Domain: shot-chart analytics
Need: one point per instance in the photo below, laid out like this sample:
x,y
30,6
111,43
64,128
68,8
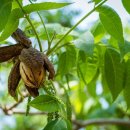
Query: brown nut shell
x,y
14,78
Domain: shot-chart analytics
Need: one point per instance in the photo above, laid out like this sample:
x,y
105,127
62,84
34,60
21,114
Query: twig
x,y
8,110
51,40
48,37
15,105
62,46
89,13
28,107
27,17
81,124
22,112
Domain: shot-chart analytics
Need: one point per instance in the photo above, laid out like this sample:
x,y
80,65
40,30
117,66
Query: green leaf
x,y
46,103
114,71
44,6
85,43
114,43
111,22
5,10
126,4
124,48
127,84
98,31
12,24
127,47
59,31
58,124
17,13
87,69
67,61
96,1
15,4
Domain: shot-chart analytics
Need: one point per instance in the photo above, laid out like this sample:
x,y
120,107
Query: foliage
x,y
92,67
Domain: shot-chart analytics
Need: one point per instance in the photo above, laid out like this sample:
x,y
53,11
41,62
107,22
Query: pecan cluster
x,y
30,65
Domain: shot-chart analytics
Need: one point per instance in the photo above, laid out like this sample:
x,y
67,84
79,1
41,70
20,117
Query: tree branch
x,y
66,34
9,110
22,112
15,105
81,124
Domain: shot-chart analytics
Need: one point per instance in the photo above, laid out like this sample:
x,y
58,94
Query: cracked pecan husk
x,y
30,65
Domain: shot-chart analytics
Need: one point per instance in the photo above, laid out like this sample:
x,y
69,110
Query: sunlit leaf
x,y
98,31
111,22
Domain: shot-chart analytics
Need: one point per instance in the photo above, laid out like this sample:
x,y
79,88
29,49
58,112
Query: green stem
x,y
62,46
48,37
54,34
28,107
89,13
27,17
67,80
68,102
81,74
53,87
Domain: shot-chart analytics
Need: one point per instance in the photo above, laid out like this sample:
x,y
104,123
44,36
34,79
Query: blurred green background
x,y
91,102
